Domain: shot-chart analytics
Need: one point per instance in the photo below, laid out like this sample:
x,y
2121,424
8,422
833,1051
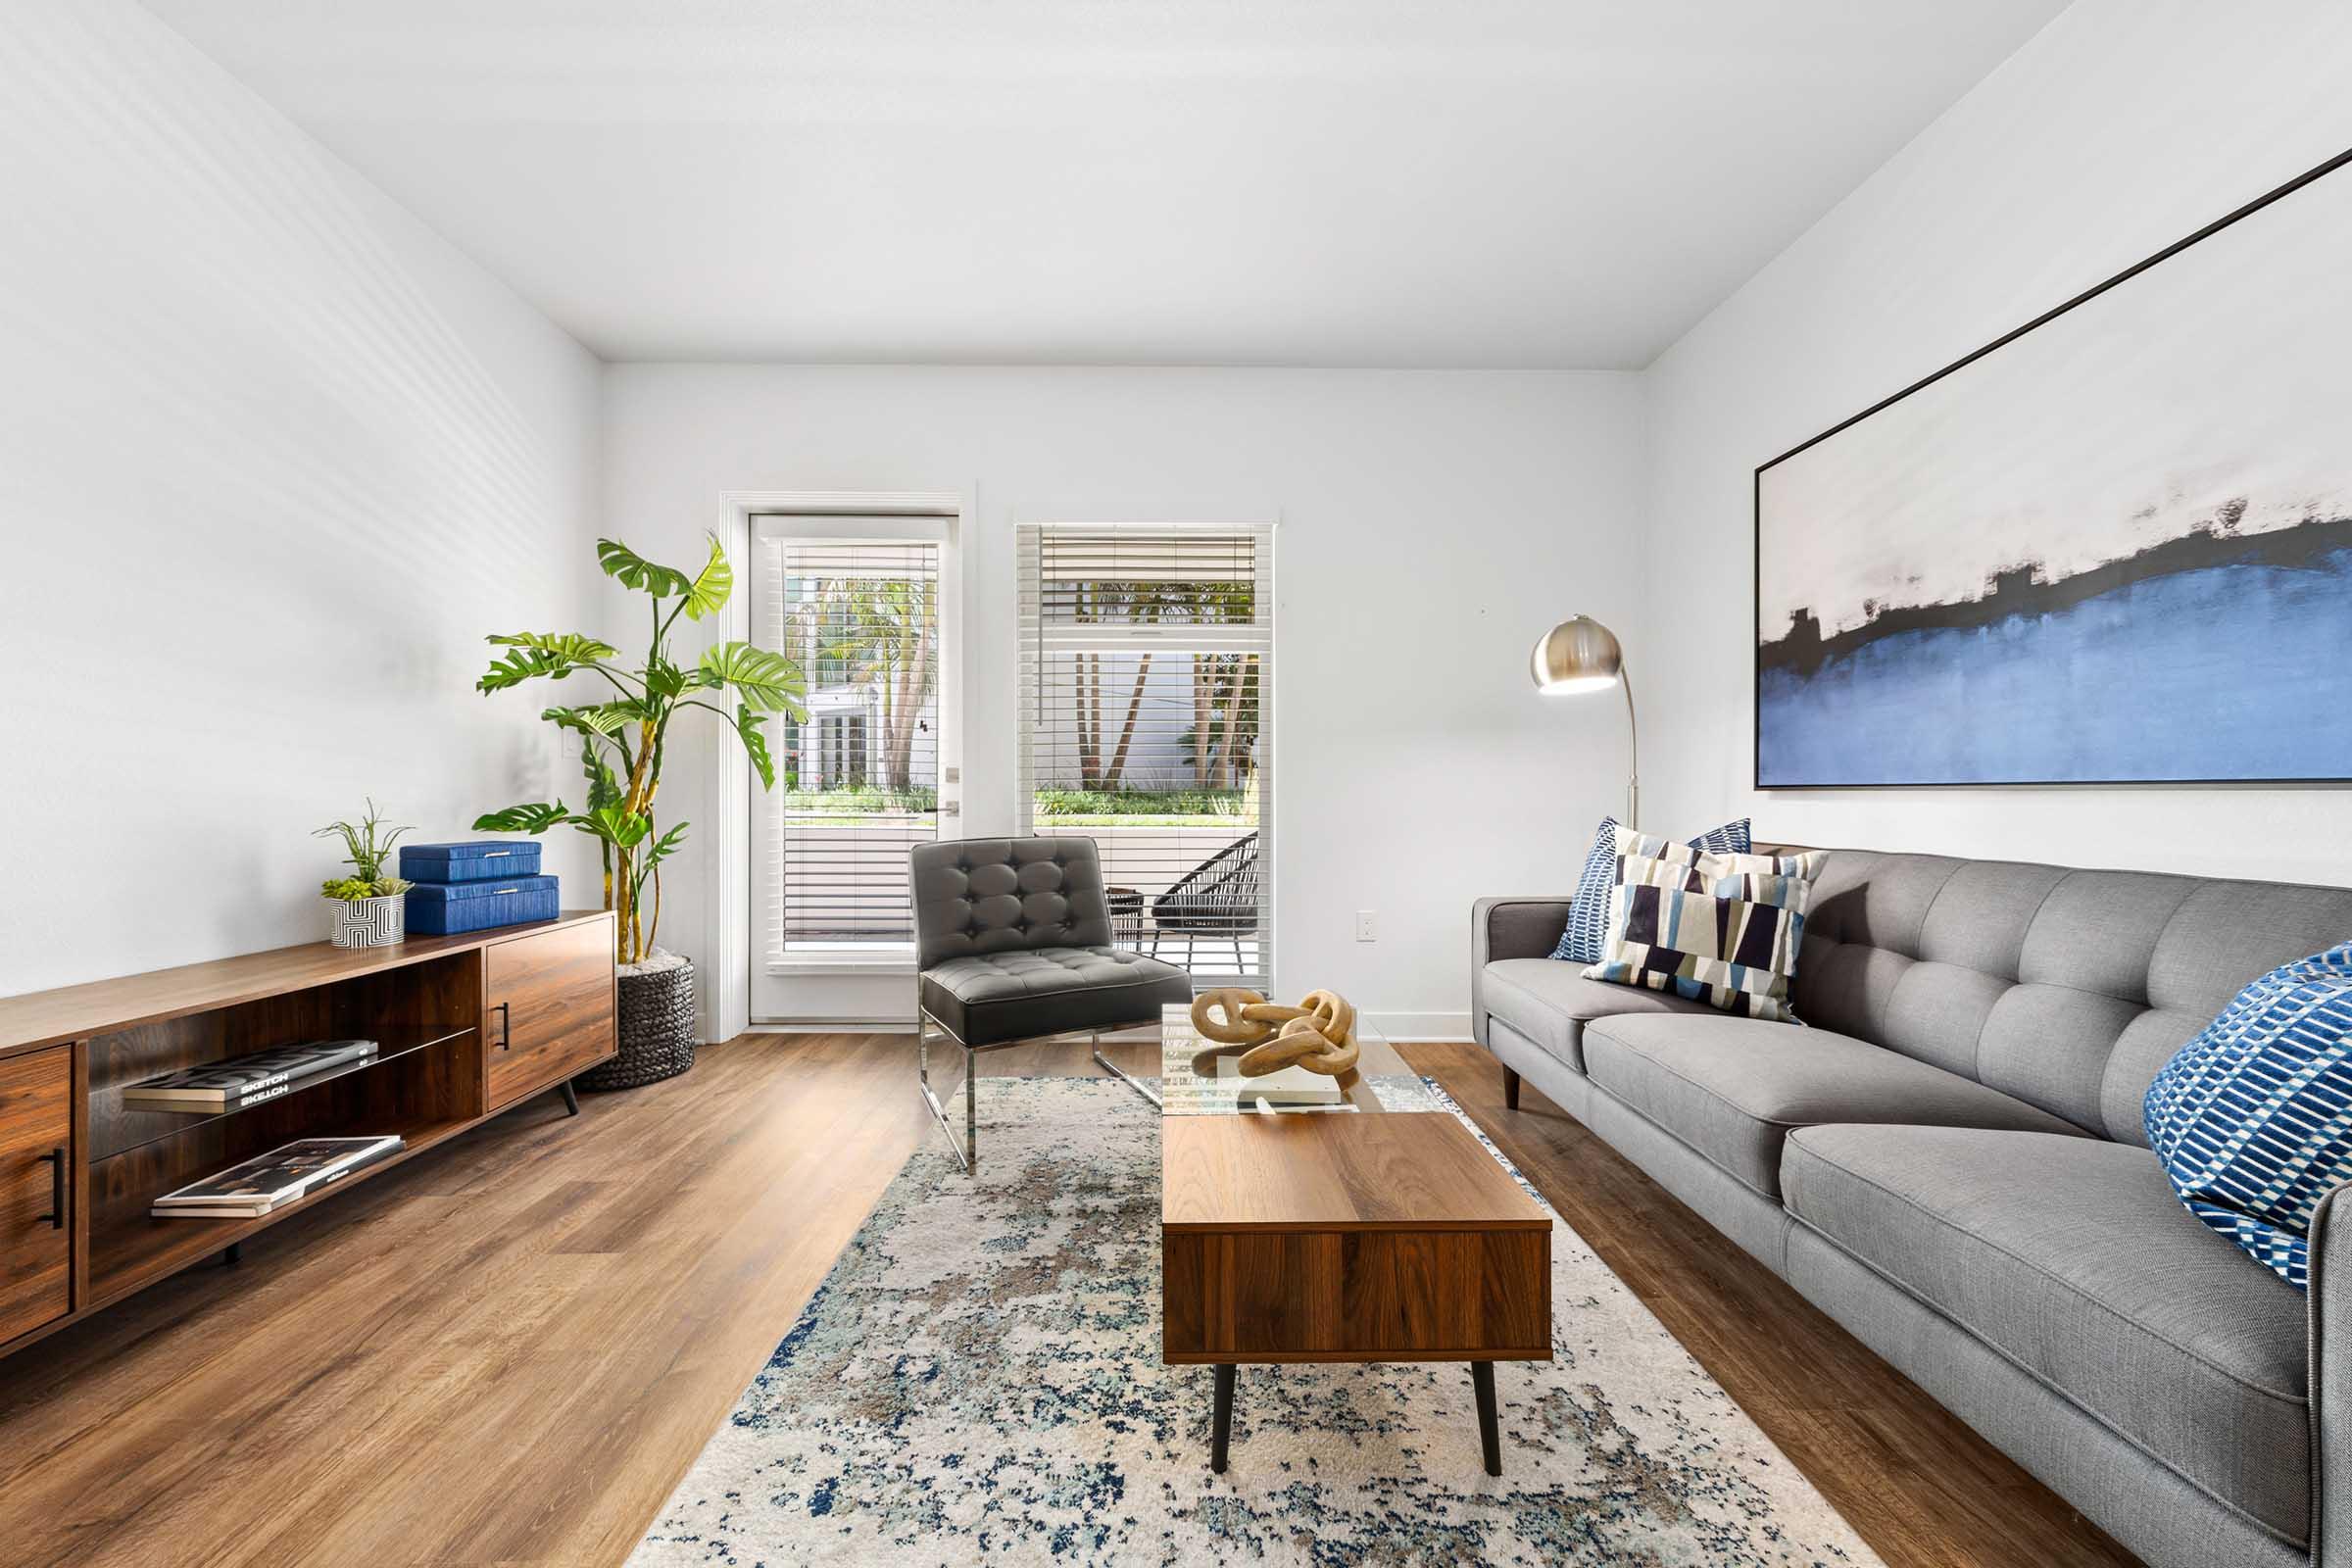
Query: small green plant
x,y
368,847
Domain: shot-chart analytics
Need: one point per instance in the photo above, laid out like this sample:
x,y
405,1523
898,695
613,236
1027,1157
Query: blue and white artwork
x,y
2117,548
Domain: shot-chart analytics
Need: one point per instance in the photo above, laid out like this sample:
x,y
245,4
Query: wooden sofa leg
x,y
1510,1089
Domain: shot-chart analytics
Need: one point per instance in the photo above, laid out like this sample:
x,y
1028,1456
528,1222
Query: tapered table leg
x,y
1490,1436
1221,1427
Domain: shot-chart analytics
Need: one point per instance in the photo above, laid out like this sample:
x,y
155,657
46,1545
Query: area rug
x,y
978,1381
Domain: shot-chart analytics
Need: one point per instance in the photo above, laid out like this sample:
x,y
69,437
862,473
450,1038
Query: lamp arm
x,y
1632,753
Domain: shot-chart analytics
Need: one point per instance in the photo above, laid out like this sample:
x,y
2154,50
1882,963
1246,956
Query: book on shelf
x,y
269,1181
248,1080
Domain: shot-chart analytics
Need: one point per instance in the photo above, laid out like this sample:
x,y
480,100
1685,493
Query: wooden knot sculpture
x,y
1318,1034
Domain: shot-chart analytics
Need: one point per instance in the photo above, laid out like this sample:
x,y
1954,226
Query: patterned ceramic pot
x,y
369,923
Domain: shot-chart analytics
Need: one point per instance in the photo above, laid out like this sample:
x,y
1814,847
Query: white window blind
x,y
1146,723
858,780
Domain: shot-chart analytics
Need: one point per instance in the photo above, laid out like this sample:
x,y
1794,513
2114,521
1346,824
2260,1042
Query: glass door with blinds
x,y
1146,723
857,603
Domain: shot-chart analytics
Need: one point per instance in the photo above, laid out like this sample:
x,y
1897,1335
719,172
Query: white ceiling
x,y
1401,183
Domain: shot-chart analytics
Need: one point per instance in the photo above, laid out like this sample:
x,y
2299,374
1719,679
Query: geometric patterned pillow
x,y
1632,840
1589,916
2253,1117
1724,930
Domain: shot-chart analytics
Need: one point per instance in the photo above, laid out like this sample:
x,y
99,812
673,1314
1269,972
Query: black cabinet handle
x,y
506,1026
57,1189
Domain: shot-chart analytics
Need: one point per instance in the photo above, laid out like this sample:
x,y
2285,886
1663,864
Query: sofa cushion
x,y
2070,1257
1733,1088
1551,1003
991,998
2065,989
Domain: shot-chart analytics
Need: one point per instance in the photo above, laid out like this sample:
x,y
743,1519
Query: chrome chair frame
x,y
967,1149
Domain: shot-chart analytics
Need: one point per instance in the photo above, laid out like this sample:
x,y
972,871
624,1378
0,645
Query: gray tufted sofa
x,y
1951,1163
1013,942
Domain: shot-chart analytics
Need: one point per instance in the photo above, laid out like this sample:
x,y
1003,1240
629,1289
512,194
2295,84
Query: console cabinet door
x,y
550,1012
36,1136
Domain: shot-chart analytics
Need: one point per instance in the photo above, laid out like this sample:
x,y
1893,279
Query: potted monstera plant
x,y
625,727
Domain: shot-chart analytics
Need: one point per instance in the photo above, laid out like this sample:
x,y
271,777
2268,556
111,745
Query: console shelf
x,y
133,1254
133,1127
467,1027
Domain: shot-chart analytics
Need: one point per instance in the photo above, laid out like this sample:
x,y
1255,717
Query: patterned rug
x,y
978,1381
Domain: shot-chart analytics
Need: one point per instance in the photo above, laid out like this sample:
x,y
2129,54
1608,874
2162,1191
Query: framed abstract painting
x,y
2114,546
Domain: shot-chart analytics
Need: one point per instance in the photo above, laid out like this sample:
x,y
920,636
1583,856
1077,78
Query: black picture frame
x,y
1757,529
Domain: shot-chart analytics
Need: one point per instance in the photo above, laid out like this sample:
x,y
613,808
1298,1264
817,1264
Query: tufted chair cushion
x,y
975,896
2065,989
992,998
1014,939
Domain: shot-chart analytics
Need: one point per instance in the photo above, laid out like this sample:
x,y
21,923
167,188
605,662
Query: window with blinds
x,y
858,780
1147,663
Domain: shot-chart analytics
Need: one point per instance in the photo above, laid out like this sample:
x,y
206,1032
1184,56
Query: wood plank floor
x,y
508,1351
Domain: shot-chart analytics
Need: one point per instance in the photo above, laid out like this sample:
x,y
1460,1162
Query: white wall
x,y
1431,525
2124,126
272,459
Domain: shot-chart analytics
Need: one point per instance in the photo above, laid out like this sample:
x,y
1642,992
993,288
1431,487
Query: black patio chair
x,y
1216,899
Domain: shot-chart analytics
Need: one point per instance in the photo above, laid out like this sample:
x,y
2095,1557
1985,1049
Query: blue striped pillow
x,y
2253,1117
1589,916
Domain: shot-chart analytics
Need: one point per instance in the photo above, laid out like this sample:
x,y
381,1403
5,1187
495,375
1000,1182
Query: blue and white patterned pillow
x,y
1588,918
1722,929
2253,1117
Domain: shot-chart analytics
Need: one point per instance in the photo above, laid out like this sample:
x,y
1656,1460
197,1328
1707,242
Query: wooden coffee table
x,y
1342,1235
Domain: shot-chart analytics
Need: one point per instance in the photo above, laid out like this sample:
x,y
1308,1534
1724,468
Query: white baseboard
x,y
1421,1026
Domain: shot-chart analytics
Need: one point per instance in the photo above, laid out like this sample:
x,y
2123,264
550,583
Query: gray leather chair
x,y
1013,942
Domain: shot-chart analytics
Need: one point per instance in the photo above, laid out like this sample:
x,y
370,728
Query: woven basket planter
x,y
657,1031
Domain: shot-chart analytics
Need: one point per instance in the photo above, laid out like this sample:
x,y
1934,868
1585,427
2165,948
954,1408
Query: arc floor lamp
x,y
1578,656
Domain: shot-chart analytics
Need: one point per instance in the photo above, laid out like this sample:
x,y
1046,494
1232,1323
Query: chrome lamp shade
x,y
1580,654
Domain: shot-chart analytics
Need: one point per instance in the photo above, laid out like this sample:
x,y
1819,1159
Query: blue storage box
x,y
470,862
447,908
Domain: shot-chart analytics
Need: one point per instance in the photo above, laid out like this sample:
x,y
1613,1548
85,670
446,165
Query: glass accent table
x,y
1201,1077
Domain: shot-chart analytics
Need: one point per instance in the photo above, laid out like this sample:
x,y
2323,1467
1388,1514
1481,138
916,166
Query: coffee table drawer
x,y
1369,1296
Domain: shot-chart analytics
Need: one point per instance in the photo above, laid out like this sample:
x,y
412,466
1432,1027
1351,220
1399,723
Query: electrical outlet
x,y
1364,931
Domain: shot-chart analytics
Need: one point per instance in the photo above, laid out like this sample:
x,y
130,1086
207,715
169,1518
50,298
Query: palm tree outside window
x,y
1146,667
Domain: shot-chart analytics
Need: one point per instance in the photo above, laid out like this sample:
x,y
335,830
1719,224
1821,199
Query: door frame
x,y
728,906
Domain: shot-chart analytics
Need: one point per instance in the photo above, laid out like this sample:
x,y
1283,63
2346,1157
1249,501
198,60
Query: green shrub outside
x,y
1139,803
